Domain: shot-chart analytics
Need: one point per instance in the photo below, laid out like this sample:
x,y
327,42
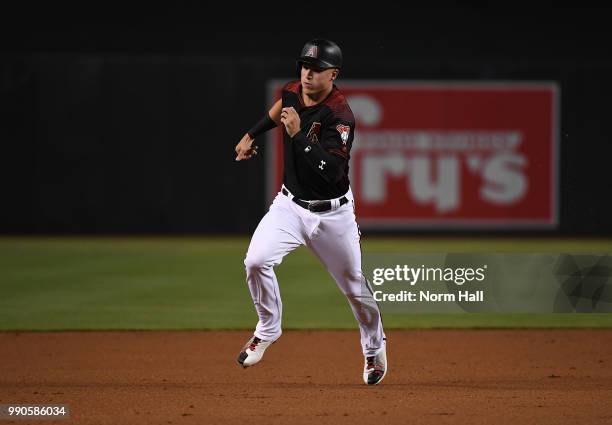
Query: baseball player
x,y
314,206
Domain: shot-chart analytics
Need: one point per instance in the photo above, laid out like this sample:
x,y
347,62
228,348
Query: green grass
x,y
192,283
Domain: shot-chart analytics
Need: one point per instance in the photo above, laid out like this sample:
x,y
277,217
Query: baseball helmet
x,y
322,54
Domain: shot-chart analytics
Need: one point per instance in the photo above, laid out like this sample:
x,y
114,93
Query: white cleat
x,y
253,351
375,368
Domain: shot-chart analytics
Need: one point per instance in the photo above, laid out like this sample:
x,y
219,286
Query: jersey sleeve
x,y
329,156
337,137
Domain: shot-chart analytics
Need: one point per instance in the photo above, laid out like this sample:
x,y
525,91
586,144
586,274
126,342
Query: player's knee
x,y
353,276
353,283
255,262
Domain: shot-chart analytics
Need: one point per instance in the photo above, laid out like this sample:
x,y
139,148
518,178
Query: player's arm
x,y
327,158
245,148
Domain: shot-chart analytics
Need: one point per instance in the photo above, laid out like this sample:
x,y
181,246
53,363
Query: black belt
x,y
315,206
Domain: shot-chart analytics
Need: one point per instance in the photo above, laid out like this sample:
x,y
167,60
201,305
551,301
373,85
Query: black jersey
x,y
316,159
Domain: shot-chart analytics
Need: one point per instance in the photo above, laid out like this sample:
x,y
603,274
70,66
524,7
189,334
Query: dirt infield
x,y
435,377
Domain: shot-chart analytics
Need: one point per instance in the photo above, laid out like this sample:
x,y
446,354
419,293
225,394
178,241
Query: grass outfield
x,y
198,283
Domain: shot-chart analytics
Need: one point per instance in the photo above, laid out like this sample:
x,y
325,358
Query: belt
x,y
314,206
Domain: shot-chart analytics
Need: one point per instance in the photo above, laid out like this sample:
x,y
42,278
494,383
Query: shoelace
x,y
373,365
254,343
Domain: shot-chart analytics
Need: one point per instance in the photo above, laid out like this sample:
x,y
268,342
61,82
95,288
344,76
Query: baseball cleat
x,y
375,368
253,351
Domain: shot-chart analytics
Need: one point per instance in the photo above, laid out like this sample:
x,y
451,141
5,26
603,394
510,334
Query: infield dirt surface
x,y
191,377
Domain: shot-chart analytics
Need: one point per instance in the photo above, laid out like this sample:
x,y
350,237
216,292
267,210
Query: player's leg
x,y
277,234
336,244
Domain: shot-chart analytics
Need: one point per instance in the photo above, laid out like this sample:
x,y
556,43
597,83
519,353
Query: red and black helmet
x,y
321,54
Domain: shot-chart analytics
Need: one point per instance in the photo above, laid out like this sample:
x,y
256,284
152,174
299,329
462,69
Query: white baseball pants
x,y
333,237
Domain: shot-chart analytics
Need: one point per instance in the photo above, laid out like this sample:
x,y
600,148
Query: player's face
x,y
316,80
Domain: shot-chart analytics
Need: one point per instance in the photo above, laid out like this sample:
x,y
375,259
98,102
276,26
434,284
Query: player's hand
x,y
245,148
291,120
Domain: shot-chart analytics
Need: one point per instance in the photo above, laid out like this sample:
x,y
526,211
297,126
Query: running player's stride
x,y
314,206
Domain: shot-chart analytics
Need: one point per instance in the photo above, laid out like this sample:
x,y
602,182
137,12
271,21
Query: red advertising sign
x,y
448,154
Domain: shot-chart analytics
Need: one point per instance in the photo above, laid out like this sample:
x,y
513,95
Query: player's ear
x,y
335,73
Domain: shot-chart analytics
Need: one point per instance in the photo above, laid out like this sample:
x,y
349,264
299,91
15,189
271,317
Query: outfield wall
x,y
133,139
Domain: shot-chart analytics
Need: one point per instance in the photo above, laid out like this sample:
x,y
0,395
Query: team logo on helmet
x,y
344,131
312,52
314,133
